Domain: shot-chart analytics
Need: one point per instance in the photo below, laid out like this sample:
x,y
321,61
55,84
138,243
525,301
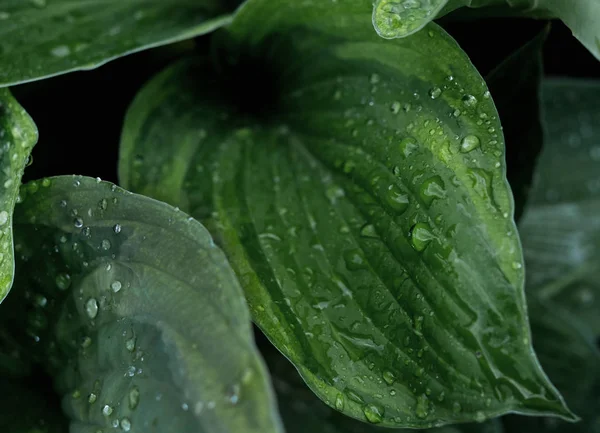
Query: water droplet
x,y
373,413
92,398
130,344
407,146
107,410
389,377
86,342
517,265
421,236
435,93
102,204
368,231
125,424
116,286
91,308
432,189
105,244
479,416
4,15
355,260
339,402
3,217
117,228
233,394
134,398
422,408
60,51
396,199
63,281
469,100
78,222
395,107
469,143
375,78
40,4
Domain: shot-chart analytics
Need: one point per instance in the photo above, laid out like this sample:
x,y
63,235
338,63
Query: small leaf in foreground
x,y
400,18
59,36
358,188
135,313
18,135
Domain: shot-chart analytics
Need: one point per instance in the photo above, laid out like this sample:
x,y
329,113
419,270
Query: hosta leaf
x,y
515,86
135,312
358,188
25,407
303,412
561,239
400,18
18,135
42,38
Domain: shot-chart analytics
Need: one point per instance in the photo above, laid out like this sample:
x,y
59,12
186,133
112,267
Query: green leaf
x,y
27,408
401,18
18,135
134,312
303,412
358,188
515,86
561,239
43,38
398,18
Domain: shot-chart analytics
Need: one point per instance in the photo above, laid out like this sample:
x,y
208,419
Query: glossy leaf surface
x,y
18,135
42,38
134,312
358,188
397,18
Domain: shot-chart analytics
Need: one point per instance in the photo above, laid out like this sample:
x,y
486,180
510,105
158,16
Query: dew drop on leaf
x,y
422,408
396,199
469,100
435,92
373,413
421,236
389,377
407,146
134,397
91,308
469,143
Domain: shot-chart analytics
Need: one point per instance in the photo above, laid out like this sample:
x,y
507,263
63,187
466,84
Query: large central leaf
x,y
135,312
358,187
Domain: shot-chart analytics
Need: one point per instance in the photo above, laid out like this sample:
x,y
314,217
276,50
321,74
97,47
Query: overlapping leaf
x,y
18,135
42,38
401,18
561,238
135,313
358,187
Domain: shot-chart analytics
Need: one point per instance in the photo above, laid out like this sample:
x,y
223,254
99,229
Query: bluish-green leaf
x,y
136,314
42,38
401,18
18,135
358,187
561,239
